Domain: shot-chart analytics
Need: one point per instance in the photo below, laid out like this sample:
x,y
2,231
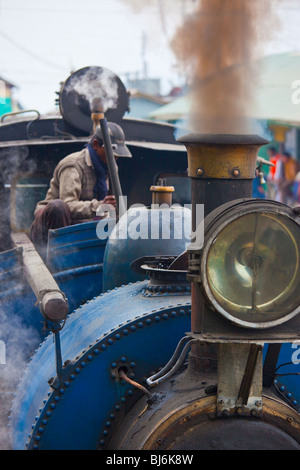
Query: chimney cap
x,y
223,139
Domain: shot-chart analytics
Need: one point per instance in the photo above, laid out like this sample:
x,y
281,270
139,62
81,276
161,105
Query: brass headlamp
x,y
250,263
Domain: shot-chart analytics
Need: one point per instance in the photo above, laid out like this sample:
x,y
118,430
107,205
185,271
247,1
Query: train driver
x,y
78,187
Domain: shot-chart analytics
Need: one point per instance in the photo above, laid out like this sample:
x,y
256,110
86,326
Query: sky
x,y
41,42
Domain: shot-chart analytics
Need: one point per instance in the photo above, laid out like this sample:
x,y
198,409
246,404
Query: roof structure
x,y
8,84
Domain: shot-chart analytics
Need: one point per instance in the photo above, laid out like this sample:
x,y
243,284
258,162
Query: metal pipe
x,y
112,166
52,301
58,355
4,116
132,382
174,363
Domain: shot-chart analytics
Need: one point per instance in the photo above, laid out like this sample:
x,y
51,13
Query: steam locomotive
x,y
178,343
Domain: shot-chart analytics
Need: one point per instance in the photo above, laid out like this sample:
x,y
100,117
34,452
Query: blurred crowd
x,y
283,180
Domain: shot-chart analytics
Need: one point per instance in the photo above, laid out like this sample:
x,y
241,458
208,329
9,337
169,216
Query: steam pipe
x,y
99,116
112,166
132,382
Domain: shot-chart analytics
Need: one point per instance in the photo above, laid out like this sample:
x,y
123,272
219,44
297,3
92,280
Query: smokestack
x,y
221,168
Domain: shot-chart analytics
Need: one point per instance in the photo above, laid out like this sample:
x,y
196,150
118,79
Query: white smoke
x,y
19,341
14,164
95,83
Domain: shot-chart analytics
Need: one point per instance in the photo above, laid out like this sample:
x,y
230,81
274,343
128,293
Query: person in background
x,y
296,190
284,178
78,188
273,158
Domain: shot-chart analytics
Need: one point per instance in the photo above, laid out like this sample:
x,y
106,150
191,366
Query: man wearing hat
x,y
79,186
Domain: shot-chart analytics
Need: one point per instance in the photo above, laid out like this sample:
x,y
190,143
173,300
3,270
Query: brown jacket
x,y
290,169
73,181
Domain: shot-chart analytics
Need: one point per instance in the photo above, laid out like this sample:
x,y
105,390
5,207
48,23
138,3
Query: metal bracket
x,y
193,273
239,379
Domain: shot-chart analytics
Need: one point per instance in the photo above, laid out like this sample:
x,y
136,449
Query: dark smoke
x,y
216,48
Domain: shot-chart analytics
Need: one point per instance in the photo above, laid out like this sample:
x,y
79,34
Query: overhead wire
x,y
30,53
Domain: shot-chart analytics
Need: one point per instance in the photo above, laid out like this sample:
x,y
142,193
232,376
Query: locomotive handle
x,y
53,303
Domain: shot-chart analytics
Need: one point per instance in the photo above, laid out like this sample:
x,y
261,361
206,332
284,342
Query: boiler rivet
x,y
236,172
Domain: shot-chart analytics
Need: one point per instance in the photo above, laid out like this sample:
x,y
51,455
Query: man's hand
x,y
107,207
110,200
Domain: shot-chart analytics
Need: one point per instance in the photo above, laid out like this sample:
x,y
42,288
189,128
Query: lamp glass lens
x,y
253,267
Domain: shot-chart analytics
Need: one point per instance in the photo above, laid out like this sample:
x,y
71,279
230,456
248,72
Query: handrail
x,y
21,112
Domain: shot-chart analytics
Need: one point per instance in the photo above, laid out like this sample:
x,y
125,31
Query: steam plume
x,y
91,84
216,47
